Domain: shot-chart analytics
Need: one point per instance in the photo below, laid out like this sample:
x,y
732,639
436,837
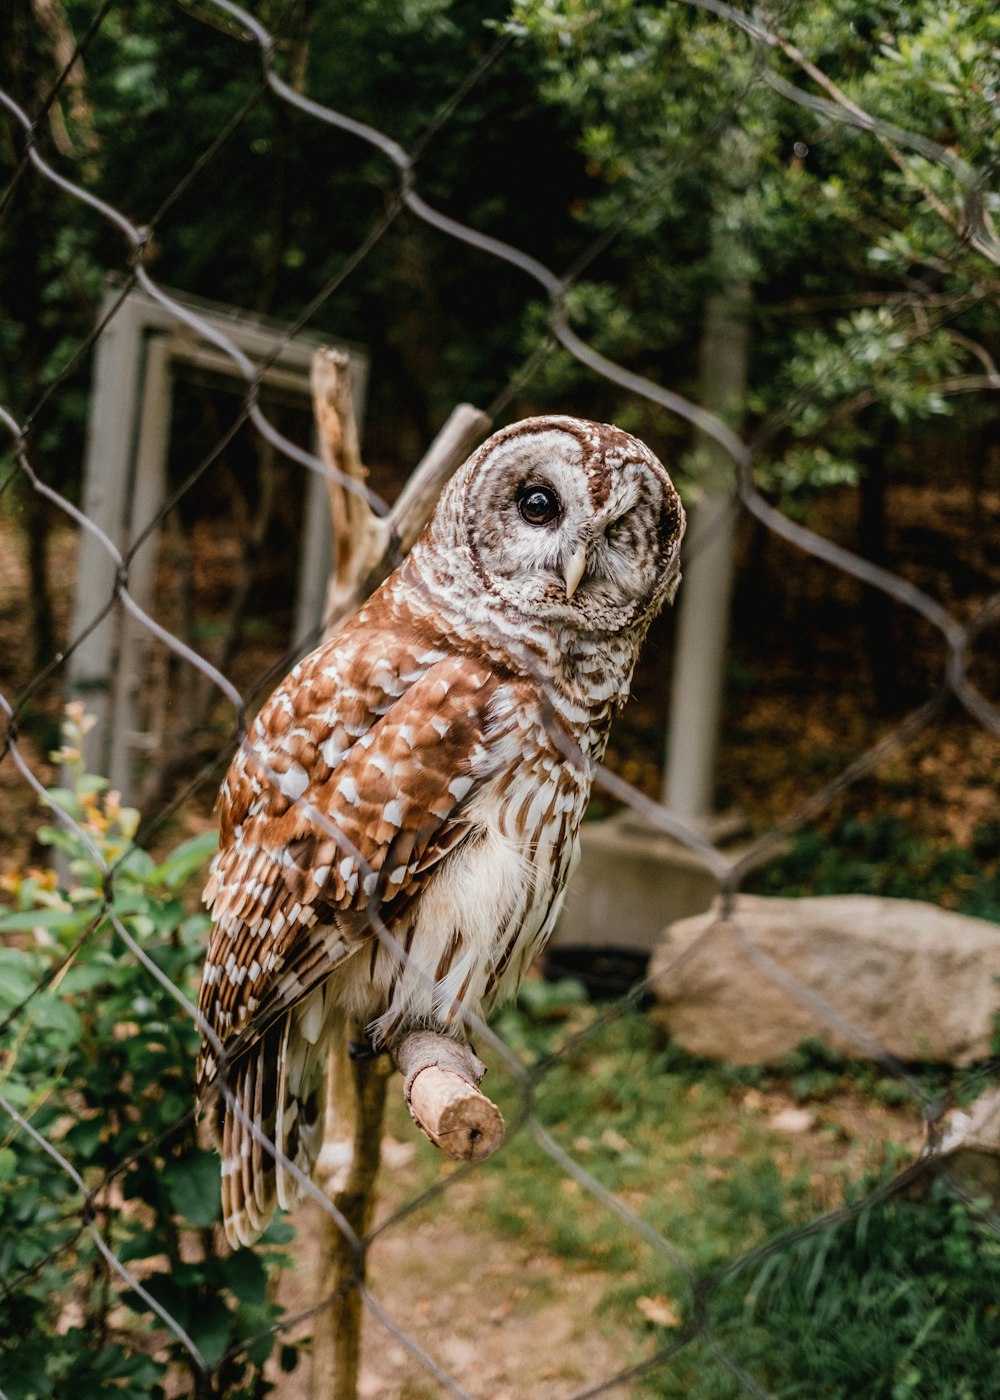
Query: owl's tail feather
x,y
277,1091
249,1193
301,1094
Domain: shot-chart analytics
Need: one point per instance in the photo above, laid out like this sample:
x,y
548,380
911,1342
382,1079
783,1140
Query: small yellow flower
x,y
44,879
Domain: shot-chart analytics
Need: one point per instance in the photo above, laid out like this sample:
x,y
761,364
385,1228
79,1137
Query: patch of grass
x,y
898,1303
901,1302
884,857
673,1145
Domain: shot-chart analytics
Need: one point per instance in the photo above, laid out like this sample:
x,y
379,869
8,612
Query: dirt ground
x,y
501,1318
505,1317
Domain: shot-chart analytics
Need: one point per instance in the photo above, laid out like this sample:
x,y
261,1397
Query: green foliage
x,y
715,176
898,1303
884,857
99,1058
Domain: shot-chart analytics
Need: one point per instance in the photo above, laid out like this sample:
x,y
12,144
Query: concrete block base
x,y
632,881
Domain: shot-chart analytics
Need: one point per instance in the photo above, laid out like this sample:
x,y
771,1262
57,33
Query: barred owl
x,y
424,773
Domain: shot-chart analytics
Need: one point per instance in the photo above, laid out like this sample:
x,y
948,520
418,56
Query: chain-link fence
x,y
109,1196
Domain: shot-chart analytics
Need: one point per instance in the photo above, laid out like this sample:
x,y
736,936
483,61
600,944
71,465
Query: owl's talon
x,y
363,1050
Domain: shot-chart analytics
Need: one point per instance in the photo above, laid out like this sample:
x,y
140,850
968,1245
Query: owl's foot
x,y
364,1050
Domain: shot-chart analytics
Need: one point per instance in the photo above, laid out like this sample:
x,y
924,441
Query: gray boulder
x,y
862,974
969,1150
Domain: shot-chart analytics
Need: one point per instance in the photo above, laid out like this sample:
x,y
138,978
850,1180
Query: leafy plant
x,y
98,1059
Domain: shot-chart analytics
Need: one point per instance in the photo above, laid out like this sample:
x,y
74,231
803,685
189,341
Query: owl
x,y
398,827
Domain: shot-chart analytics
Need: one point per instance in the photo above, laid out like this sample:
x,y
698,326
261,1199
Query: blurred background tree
x,y
653,151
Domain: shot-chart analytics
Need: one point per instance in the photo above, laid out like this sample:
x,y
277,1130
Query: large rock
x,y
862,974
969,1150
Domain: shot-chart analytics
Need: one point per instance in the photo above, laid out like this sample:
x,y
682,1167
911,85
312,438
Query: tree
x,y
728,148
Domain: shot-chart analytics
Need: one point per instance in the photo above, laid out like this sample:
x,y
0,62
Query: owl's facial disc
x,y
567,523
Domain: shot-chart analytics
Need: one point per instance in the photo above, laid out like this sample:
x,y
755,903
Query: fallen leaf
x,y
615,1141
660,1310
792,1120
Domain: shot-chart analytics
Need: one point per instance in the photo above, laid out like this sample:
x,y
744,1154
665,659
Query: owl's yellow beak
x,y
573,570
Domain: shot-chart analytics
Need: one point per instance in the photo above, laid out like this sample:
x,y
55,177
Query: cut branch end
x,y
441,1089
455,1115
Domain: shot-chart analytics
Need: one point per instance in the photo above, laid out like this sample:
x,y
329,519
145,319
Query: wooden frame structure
x,y
125,482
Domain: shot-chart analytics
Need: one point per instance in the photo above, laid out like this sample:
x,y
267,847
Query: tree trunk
x,y
876,606
346,1173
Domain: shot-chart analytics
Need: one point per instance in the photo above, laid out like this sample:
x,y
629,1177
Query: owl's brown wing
x,y
308,868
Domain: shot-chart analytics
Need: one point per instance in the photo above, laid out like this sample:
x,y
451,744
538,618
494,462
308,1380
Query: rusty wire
x,y
956,640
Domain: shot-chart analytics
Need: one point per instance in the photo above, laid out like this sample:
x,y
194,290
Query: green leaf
x,y
53,920
245,1276
210,1329
278,1232
254,1321
19,974
142,1245
185,860
138,864
53,1014
194,930
85,1136
176,1301
193,1188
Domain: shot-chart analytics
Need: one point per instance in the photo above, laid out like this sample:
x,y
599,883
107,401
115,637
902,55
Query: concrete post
x,y
703,621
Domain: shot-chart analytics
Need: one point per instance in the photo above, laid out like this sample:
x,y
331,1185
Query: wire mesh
x,y
958,640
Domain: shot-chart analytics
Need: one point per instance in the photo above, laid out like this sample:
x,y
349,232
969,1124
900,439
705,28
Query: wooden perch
x,y
367,547
441,1076
441,1088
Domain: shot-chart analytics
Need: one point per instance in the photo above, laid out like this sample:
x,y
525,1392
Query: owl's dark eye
x,y
538,505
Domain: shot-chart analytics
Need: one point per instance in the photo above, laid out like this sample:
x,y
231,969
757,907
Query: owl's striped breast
x,y
485,912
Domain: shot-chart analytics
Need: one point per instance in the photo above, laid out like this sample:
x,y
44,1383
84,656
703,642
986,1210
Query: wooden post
x,y
346,1172
441,1077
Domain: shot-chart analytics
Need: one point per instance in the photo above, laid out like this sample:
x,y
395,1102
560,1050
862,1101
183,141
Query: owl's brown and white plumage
x,y
422,775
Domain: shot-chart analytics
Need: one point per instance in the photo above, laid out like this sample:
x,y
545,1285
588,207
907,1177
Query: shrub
x,y
883,857
98,1058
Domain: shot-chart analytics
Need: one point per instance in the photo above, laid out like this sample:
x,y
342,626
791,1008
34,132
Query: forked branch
x,y
440,1076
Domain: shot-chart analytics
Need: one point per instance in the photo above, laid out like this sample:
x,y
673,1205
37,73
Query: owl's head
x,y
567,522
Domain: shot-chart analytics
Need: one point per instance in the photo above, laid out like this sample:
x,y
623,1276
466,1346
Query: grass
x,y
900,1301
